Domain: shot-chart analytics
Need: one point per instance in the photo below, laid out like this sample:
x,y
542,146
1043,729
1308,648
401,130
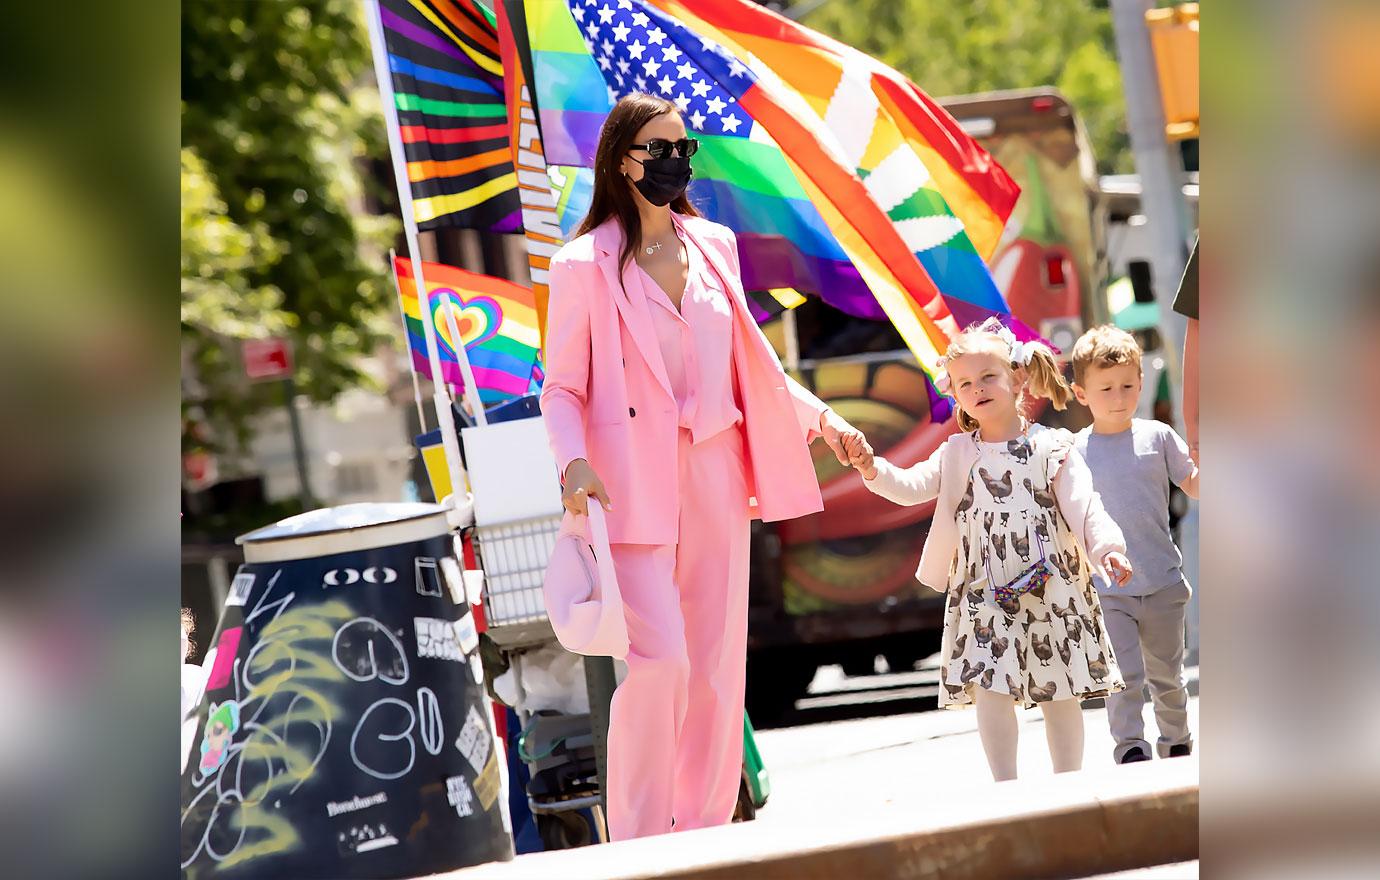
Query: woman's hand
x,y
860,455
1118,566
835,427
581,482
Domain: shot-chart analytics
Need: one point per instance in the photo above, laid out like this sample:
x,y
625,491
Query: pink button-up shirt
x,y
696,344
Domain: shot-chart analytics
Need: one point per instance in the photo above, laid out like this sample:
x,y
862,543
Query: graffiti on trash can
x,y
365,649
364,837
319,691
284,722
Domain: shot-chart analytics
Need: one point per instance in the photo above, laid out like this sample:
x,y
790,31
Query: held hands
x,y
860,455
835,427
1118,566
581,482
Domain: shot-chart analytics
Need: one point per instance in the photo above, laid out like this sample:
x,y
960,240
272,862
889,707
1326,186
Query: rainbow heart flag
x,y
840,177
496,320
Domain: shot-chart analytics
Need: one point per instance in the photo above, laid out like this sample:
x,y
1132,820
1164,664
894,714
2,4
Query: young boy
x,y
1132,461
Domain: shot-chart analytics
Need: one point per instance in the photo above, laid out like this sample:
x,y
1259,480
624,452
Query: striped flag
x,y
448,88
840,177
496,320
768,304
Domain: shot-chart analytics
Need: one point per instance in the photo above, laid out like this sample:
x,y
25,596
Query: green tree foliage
x,y
278,116
951,48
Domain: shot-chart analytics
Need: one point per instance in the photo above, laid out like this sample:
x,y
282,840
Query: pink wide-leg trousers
x,y
675,745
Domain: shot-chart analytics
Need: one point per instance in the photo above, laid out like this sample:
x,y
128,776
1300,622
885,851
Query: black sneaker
x,y
1134,756
1182,750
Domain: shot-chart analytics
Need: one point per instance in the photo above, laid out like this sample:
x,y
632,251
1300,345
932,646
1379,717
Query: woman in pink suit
x,y
663,400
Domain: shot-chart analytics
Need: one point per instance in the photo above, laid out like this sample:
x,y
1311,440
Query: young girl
x,y
1015,532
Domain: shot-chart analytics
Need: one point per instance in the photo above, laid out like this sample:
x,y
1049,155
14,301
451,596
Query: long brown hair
x,y
612,197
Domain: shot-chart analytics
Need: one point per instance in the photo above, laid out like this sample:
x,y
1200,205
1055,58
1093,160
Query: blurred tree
x,y
952,48
278,114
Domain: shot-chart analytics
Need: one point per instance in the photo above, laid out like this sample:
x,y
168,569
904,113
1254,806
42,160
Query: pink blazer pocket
x,y
581,590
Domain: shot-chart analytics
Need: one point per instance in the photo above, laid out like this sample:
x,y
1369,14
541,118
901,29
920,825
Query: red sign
x,y
199,470
267,359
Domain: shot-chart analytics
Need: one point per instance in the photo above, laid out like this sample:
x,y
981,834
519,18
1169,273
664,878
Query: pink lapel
x,y
629,298
730,280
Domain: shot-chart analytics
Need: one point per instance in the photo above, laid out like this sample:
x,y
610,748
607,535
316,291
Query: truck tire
x,y
566,830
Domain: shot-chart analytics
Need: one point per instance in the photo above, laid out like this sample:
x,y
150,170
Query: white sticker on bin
x,y
454,581
474,741
239,589
466,633
474,586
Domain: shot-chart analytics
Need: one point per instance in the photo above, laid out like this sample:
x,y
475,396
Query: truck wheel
x,y
564,830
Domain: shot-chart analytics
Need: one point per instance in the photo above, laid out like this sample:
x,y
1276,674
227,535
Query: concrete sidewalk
x,y
1073,825
882,763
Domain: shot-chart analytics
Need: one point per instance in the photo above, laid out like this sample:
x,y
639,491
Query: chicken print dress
x,y
1043,645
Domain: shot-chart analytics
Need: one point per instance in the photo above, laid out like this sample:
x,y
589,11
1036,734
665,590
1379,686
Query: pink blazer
x,y
606,397
945,475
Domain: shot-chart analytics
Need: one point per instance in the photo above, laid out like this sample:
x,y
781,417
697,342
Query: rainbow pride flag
x,y
447,83
496,320
840,177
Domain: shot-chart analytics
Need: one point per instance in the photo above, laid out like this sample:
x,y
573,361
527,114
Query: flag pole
x,y
411,367
445,418
409,216
459,344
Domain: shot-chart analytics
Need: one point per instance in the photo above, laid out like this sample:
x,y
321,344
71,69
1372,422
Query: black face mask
x,y
664,180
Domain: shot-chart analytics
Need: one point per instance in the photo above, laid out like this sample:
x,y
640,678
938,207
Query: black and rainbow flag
x,y
448,88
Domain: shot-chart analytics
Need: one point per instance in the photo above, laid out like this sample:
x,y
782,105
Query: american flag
x,y
640,49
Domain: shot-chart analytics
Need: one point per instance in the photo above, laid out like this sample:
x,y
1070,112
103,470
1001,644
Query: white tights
x,y
999,732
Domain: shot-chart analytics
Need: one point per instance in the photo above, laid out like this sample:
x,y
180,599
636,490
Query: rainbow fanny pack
x,y
1033,578
1028,581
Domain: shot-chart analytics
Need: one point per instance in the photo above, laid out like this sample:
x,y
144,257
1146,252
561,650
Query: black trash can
x,y
344,731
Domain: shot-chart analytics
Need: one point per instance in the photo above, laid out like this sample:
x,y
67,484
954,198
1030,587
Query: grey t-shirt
x,y
1131,472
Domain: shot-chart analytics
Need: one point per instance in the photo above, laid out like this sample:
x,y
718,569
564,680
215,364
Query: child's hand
x,y
860,454
1118,566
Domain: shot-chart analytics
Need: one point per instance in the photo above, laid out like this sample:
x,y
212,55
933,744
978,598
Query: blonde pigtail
x,y
1045,379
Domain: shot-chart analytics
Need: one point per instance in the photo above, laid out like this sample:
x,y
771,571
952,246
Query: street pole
x,y
1161,175
450,439
299,449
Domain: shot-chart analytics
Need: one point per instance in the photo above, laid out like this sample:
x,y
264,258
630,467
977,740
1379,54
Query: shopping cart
x,y
517,517
515,556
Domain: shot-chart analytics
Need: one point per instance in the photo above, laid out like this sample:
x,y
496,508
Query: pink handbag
x,y
581,590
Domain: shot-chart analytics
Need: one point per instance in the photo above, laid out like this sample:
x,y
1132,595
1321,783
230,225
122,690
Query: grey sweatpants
x,y
1147,636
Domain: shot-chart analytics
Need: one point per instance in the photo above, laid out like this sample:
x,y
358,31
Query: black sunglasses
x,y
660,148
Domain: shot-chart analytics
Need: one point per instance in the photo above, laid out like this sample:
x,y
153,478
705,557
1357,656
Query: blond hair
x,y
188,628
1043,376
1104,346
